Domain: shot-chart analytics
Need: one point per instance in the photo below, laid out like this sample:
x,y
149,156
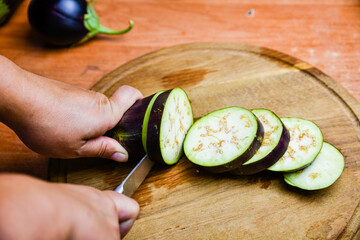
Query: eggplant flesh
x,y
170,118
323,172
223,139
306,140
275,142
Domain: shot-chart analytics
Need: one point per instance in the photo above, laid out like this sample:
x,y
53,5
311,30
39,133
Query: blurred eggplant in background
x,y
67,22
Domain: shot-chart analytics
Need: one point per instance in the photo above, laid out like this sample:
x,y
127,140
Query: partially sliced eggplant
x,y
128,132
275,142
224,139
146,119
169,120
306,140
323,172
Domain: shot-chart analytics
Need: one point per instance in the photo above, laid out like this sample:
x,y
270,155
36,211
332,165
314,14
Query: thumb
x,y
104,147
122,99
127,211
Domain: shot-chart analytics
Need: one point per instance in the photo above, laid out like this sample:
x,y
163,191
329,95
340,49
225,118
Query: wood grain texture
x,y
180,202
325,33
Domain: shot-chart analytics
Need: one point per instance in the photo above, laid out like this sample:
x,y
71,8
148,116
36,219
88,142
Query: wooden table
x,y
323,33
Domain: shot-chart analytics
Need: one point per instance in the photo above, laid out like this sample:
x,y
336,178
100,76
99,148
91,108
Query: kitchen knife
x,y
135,177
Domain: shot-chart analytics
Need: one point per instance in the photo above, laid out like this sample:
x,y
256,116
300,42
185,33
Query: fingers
x,y
104,147
127,210
122,99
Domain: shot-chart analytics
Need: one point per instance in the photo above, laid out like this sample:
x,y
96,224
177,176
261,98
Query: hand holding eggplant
x,y
60,120
67,22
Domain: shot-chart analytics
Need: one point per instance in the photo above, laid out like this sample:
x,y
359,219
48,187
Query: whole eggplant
x,y
67,22
7,8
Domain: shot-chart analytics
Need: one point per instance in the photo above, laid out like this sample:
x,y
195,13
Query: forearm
x,y
27,212
26,96
17,93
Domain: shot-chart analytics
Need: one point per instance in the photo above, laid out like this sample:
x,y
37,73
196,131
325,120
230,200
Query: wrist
x,y
11,81
22,95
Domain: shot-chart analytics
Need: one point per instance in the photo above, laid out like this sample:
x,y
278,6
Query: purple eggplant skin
x,y
128,132
58,22
66,22
153,133
7,9
249,153
269,159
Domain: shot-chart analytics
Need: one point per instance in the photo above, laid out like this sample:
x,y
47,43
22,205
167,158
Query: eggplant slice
x,y
306,140
146,119
170,118
224,139
323,172
275,142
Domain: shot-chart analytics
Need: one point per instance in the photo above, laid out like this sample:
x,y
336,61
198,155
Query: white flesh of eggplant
x,y
221,136
305,144
175,122
323,172
272,133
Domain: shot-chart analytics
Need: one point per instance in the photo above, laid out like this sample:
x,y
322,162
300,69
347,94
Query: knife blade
x,y
135,177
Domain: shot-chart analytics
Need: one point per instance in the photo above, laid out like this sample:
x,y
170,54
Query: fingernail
x,y
125,227
119,157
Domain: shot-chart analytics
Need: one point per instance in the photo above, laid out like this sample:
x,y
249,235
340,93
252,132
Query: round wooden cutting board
x,y
179,202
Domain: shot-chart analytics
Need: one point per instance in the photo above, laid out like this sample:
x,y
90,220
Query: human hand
x,y
34,209
60,120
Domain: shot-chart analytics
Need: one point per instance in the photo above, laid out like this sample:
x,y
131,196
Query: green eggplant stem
x,y
92,24
4,11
